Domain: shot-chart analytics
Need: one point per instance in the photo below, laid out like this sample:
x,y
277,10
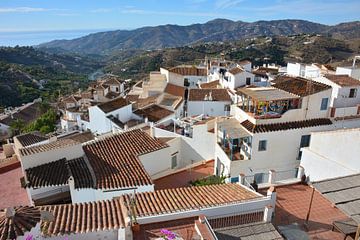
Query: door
x,y
248,81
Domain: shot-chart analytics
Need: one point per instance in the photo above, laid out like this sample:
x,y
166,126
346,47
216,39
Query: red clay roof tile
x,y
115,162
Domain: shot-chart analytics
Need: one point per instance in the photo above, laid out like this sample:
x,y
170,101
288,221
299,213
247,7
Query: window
x,y
324,104
305,141
174,161
262,145
248,81
227,108
352,93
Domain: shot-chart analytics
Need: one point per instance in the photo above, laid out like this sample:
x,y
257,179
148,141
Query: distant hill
x,y
213,31
305,48
27,73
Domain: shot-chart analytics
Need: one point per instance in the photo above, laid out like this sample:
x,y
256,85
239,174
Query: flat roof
x,y
267,93
233,128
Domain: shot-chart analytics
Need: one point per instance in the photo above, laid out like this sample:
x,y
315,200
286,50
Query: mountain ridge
x,y
217,30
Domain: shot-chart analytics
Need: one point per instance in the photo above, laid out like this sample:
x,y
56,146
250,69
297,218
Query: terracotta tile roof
x,y
343,80
236,70
114,159
175,90
79,137
110,79
15,222
188,198
28,139
189,71
299,86
27,114
61,143
132,98
113,104
83,218
285,125
143,102
154,113
58,173
213,84
217,94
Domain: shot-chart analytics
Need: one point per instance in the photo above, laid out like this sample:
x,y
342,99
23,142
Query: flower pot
x,y
135,227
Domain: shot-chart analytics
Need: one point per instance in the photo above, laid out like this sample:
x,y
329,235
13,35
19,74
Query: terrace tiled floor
x,y
182,178
292,206
11,192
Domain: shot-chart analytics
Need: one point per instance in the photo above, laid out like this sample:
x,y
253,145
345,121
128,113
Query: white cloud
x,y
23,10
223,4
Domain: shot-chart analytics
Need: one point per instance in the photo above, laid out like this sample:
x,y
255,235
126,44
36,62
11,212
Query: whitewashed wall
x,y
209,108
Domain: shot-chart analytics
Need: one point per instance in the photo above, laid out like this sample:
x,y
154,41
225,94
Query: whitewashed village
x,y
219,150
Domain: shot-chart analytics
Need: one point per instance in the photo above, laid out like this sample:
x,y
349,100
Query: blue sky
x,y
38,15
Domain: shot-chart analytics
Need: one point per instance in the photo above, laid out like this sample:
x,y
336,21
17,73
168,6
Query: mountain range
x,y
218,30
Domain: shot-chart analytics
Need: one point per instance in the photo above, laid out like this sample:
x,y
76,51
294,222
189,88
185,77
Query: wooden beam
x,y
357,236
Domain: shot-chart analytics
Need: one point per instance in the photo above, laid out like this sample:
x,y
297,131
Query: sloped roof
x,y
115,160
251,231
83,218
299,86
189,71
58,173
217,94
15,222
113,104
80,137
236,70
344,192
154,112
175,90
61,143
272,127
343,80
213,84
188,198
31,138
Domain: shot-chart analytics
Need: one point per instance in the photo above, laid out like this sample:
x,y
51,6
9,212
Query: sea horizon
x,y
33,38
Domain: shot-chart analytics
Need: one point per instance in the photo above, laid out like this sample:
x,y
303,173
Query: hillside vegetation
x,y
165,36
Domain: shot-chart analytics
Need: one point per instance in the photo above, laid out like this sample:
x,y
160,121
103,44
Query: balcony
x,y
233,139
267,102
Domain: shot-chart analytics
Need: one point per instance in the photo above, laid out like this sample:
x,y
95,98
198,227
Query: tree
x,y
17,126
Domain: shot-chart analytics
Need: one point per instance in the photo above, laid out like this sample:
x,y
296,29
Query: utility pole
x,y
309,210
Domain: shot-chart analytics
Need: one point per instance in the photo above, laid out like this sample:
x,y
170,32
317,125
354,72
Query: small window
x,y
262,145
174,161
324,104
305,141
352,93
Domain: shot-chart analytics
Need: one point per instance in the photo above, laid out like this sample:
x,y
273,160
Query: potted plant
x,y
135,226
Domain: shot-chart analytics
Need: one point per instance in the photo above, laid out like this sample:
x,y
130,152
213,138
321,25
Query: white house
x,y
209,102
345,99
332,154
97,170
269,127
111,115
351,71
185,76
236,77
